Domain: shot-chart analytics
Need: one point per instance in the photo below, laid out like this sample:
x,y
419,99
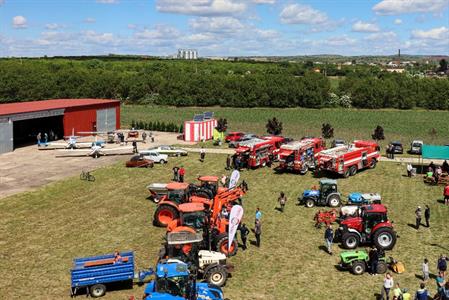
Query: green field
x,y
349,124
42,231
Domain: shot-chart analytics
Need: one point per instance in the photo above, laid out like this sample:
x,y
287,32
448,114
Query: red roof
x,y
32,106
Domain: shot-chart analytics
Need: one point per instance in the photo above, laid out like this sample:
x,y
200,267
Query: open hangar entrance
x,y
25,131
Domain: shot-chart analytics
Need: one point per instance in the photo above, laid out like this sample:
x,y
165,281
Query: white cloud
x,y
302,14
264,1
53,26
395,7
19,22
106,38
201,7
361,26
398,21
382,36
440,33
216,24
343,40
90,20
108,1
159,32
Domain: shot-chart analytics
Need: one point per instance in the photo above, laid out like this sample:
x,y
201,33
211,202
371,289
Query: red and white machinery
x,y
299,156
258,152
347,160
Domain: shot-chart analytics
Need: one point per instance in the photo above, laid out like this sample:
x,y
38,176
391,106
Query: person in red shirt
x,y
117,257
181,174
446,194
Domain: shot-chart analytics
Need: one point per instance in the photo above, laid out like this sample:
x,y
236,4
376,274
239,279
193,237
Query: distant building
x,y
187,54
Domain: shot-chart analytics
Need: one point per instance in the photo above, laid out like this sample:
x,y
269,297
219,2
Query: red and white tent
x,y
195,131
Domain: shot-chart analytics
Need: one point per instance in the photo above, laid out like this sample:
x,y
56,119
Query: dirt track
x,y
28,168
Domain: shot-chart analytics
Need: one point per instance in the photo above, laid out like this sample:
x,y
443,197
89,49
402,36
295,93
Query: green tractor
x,y
358,262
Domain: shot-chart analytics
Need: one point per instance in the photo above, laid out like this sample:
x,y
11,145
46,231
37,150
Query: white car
x,y
170,150
415,147
154,156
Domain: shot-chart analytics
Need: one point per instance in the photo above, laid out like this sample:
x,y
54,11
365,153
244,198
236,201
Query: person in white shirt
x,y
425,269
388,285
409,170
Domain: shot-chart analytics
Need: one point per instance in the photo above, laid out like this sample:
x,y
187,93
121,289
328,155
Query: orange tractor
x,y
196,217
179,193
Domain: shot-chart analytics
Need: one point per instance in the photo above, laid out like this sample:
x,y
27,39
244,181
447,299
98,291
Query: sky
x,y
223,27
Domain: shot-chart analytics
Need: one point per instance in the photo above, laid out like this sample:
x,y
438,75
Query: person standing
x,y
181,174
446,194
282,200
388,284
175,173
409,169
425,270
135,147
258,214
202,154
328,238
427,216
392,152
418,215
244,231
228,162
45,138
373,259
442,264
422,293
144,137
224,180
397,292
440,282
39,137
258,231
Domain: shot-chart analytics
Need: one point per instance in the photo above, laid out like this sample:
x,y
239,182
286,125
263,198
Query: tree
x,y
443,65
222,125
327,131
274,127
378,133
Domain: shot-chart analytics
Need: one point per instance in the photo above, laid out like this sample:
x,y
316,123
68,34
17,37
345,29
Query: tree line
x,y
208,83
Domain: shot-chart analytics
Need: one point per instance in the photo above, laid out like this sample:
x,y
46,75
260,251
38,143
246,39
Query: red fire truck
x,y
258,152
347,160
299,156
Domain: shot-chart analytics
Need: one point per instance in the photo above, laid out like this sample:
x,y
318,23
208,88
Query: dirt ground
x,y
28,168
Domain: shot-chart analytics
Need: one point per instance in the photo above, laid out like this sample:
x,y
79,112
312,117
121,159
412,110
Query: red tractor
x,y
371,226
206,193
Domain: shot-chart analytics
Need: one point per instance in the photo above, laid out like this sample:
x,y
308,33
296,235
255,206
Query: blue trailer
x,y
95,273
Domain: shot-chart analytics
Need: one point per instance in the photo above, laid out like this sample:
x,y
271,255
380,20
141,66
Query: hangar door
x,y
6,141
106,119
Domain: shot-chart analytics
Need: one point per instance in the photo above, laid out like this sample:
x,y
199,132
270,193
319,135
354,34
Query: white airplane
x,y
95,151
70,143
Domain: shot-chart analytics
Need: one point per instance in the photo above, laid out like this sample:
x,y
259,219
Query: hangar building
x,y
21,122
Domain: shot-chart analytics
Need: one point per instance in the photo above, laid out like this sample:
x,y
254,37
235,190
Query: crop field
x,y
349,124
42,231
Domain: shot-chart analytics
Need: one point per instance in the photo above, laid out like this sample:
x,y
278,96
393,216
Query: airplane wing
x,y
116,151
52,146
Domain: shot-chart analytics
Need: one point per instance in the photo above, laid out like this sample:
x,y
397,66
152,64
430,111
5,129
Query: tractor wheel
x,y
346,174
350,240
216,275
373,163
164,214
381,267
385,238
310,203
97,290
358,267
222,245
334,201
352,170
162,161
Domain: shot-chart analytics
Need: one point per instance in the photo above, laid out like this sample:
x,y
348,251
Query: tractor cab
x,y
372,215
210,183
326,195
191,215
177,192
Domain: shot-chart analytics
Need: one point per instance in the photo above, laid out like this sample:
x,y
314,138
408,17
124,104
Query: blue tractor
x,y
174,281
326,195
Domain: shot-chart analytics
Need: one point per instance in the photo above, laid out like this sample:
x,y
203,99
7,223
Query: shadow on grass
x,y
323,248
278,209
412,226
440,201
439,246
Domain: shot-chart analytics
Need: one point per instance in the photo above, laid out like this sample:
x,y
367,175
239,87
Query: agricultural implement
x,y
94,274
325,217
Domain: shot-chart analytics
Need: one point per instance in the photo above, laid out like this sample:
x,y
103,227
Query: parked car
x,y
246,137
234,136
138,161
338,143
154,156
397,147
170,150
416,147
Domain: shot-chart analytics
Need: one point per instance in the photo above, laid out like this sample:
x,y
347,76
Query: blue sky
x,y
223,27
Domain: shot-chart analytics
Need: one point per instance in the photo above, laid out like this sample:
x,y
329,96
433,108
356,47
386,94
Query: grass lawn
x,y
349,124
42,231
